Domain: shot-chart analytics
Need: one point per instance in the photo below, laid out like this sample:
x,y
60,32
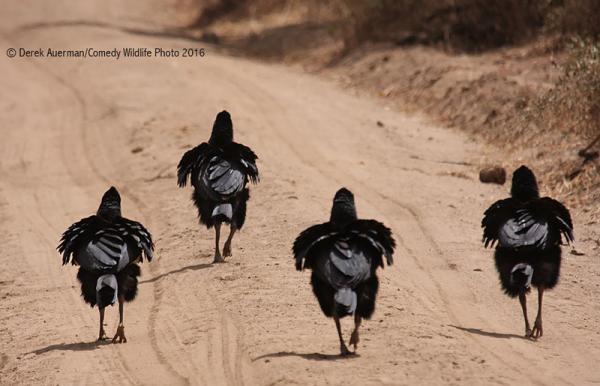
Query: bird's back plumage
x,y
220,171
528,232
537,224
220,159
107,247
344,261
100,246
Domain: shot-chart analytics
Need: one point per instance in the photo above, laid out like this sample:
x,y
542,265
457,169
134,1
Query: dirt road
x,y
72,127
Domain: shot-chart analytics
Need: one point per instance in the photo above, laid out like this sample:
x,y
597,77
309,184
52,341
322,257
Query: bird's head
x,y
110,207
222,131
343,210
524,185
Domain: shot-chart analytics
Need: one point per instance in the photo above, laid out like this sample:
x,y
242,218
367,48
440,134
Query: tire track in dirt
x,y
166,351
191,337
34,212
88,144
328,172
80,177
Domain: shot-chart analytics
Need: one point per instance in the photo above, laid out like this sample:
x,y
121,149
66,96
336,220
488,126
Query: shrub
x,y
465,25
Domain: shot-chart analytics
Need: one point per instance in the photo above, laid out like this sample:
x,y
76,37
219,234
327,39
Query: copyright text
x,y
114,53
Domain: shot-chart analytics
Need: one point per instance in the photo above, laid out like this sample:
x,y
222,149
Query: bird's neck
x,y
108,214
221,136
525,194
342,214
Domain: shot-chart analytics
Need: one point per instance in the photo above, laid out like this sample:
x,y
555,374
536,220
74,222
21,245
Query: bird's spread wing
x,y
104,243
524,229
247,159
136,232
495,217
557,216
223,177
191,160
308,239
347,264
106,253
378,235
77,234
225,171
538,224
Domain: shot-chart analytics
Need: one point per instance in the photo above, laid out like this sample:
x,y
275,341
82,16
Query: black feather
x,y
344,255
127,281
309,238
375,233
219,170
90,229
190,160
538,223
528,232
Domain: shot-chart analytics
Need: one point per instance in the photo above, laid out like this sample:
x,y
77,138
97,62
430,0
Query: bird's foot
x,y
120,335
218,258
354,339
344,350
538,330
227,249
527,332
102,336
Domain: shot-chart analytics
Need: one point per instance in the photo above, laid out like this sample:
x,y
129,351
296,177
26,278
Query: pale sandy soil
x,y
68,129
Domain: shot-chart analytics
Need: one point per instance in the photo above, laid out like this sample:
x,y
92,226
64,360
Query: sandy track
x,y
68,131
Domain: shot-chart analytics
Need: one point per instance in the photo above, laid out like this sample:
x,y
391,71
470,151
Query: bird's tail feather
x,y
345,301
225,210
106,290
521,275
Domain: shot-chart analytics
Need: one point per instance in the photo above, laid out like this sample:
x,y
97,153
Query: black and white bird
x,y
344,255
220,170
529,231
107,248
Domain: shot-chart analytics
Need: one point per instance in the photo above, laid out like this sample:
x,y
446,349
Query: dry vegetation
x,y
528,84
570,112
460,25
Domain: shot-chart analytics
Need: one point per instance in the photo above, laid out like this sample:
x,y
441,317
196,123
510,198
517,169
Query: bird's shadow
x,y
193,267
309,356
80,346
478,331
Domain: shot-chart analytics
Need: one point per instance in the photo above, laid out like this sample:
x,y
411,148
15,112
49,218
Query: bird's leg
x,y
218,257
101,335
354,339
538,331
227,246
344,350
523,300
120,335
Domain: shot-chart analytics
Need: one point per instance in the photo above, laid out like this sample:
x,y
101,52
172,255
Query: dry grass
x,y
495,95
581,17
458,25
571,111
467,25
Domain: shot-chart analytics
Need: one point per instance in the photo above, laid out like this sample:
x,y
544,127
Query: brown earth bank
x,y
527,101
72,127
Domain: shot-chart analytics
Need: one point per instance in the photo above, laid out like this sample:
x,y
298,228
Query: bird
x,y
344,254
220,170
107,247
528,231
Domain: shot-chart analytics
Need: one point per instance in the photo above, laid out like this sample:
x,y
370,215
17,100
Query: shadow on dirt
x,y
276,43
313,356
481,332
81,346
174,33
194,267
